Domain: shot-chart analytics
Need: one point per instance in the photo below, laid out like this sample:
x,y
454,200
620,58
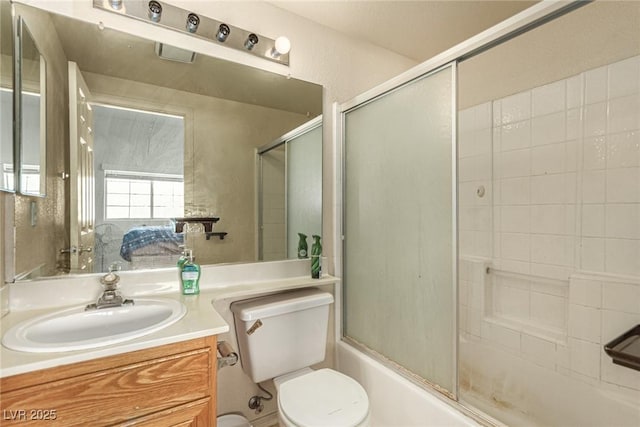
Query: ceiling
x,y
417,29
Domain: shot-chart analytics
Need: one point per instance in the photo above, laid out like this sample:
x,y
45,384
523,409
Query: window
x,y
30,179
141,195
7,176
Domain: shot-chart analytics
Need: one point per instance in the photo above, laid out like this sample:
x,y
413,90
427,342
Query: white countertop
x,y
201,320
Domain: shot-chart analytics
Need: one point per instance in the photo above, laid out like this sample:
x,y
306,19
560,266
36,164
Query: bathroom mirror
x,y
7,182
139,105
32,139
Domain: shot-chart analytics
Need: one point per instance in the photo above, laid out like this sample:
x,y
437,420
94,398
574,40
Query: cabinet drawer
x,y
115,395
194,414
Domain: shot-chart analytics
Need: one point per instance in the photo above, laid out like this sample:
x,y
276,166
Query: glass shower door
x,y
400,228
304,188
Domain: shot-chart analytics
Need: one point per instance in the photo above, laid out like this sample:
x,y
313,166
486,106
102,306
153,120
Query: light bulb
x,y
283,45
116,4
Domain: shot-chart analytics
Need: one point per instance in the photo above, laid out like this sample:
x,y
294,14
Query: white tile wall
x,y
623,77
563,164
475,169
570,151
549,98
623,150
585,357
585,323
623,221
586,292
596,85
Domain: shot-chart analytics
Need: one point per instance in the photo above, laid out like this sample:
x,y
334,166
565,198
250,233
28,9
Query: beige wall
x,y
221,138
49,229
597,34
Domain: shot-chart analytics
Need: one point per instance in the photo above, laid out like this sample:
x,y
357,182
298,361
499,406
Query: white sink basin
x,y
77,329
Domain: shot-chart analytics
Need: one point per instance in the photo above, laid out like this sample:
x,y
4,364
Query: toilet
x,y
232,420
279,337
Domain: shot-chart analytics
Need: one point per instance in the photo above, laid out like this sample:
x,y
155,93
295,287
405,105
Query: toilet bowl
x,y
232,420
321,398
279,337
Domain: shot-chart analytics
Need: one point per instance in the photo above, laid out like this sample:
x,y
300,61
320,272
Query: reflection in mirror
x,y
290,191
32,119
170,139
138,196
7,182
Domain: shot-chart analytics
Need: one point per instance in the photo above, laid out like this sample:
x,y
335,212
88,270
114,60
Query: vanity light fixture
x,y
223,33
251,41
155,11
192,22
166,15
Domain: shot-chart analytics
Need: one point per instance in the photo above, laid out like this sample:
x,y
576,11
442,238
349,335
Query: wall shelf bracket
x,y
220,234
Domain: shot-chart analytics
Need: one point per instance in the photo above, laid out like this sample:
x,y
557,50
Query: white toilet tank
x,y
281,333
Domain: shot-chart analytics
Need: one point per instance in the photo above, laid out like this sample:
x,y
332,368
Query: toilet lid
x,y
323,398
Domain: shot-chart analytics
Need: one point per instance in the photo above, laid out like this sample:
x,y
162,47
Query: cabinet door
x,y
115,395
172,385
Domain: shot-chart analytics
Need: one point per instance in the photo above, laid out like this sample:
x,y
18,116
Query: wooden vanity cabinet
x,y
170,385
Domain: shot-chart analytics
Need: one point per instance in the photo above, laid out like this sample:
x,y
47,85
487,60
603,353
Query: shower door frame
x,y
533,17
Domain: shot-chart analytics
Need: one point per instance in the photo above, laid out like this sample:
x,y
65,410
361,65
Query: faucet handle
x,y
111,279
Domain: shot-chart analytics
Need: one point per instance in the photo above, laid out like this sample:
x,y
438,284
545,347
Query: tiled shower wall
x,y
560,168
550,242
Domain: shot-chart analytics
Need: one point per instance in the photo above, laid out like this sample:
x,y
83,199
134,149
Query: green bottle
x,y
316,254
302,246
190,275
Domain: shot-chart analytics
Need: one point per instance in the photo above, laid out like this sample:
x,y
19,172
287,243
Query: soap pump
x,y
189,274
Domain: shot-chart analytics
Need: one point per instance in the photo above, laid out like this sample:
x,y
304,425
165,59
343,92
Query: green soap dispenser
x,y
316,255
302,246
189,275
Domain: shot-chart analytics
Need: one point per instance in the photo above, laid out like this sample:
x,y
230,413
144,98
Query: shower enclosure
x,y
289,191
491,219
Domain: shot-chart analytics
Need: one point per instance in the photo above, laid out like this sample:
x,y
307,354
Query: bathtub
x,y
394,400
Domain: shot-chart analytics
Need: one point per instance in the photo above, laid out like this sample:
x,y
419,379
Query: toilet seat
x,y
323,398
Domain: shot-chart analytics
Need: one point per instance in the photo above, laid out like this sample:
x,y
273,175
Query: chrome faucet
x,y
111,297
